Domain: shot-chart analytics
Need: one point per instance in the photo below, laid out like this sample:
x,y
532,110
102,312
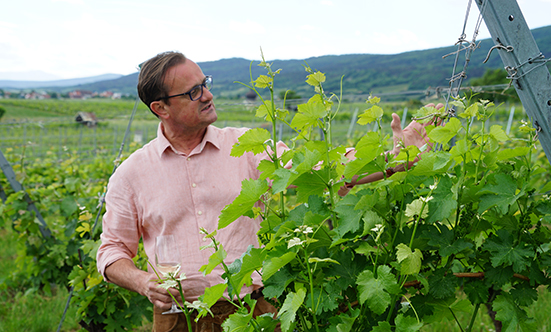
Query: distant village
x,y
75,94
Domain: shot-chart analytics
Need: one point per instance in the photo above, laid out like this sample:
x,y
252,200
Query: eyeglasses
x,y
196,92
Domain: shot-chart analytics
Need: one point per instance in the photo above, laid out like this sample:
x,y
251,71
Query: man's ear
x,y
158,107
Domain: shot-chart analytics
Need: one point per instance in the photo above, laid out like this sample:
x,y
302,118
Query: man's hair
x,y
151,85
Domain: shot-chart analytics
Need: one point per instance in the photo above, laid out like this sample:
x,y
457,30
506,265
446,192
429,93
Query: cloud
x,y
399,41
72,2
247,28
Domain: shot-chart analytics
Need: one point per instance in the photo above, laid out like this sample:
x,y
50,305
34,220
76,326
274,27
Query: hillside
x,y
14,84
362,73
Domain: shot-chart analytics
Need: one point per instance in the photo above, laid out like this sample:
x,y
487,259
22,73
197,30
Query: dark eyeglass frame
x,y
207,84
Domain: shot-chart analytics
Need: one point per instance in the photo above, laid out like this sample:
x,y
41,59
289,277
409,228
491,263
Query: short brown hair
x,y
151,85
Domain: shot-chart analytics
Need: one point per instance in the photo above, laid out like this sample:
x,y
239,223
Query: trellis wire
x,y
102,200
454,91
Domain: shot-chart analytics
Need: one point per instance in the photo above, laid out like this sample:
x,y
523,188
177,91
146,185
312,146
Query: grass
x,y
23,309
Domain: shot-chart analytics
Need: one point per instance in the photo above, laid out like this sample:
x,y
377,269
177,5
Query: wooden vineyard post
x,y
16,186
524,62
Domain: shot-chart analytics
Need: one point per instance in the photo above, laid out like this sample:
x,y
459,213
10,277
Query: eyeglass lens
x,y
197,91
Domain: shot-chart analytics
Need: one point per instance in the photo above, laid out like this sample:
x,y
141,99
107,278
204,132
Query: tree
x,y
290,94
2,112
495,77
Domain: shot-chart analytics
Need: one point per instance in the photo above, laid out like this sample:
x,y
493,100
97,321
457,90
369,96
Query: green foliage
x,y
289,94
397,254
66,192
2,112
494,77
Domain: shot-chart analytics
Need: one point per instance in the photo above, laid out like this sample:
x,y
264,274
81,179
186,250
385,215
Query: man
x,y
175,184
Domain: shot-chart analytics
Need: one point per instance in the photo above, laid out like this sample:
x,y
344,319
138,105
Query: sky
x,y
61,39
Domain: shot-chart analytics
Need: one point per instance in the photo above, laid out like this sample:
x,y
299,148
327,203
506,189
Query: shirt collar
x,y
211,136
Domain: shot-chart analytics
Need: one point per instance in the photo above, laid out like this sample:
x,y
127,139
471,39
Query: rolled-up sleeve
x,y
121,235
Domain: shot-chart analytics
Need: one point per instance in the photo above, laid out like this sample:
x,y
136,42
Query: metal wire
x,y
102,199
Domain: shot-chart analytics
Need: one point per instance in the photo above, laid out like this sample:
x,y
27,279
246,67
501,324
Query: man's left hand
x,y
413,134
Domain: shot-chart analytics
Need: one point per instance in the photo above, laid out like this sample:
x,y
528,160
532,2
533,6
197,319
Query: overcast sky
x,y
81,38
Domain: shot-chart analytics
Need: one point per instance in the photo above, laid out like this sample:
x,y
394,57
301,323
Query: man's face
x,y
182,112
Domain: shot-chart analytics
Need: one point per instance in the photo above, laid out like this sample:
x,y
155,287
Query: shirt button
x,y
188,158
199,212
193,185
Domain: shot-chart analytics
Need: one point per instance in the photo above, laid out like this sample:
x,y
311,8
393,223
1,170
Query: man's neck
x,y
184,141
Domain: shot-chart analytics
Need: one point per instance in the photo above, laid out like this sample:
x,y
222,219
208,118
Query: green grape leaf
x,y
309,184
281,177
272,265
251,190
349,217
275,286
243,267
310,160
497,133
477,291
460,148
505,154
444,200
524,295
432,163
470,112
369,115
407,324
371,219
316,78
514,319
443,134
414,209
68,206
239,321
309,114
252,140
501,195
266,168
344,321
263,81
290,306
441,285
267,322
498,276
410,261
382,327
505,253
263,111
212,295
214,260
376,291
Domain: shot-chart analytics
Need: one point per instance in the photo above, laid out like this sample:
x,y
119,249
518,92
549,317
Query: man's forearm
x,y
125,274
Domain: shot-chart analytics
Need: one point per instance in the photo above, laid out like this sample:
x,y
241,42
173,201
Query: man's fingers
x,y
396,126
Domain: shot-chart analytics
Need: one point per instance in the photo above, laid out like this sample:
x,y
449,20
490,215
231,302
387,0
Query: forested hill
x,y
362,73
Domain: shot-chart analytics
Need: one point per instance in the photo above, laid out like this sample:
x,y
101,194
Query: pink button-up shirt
x,y
158,191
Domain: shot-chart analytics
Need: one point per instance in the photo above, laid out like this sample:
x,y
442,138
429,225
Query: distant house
x,y
81,94
86,118
37,95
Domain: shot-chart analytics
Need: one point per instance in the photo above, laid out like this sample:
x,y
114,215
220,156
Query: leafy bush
x,y
67,192
466,227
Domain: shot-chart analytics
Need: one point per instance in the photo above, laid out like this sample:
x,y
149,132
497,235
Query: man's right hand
x,y
125,274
